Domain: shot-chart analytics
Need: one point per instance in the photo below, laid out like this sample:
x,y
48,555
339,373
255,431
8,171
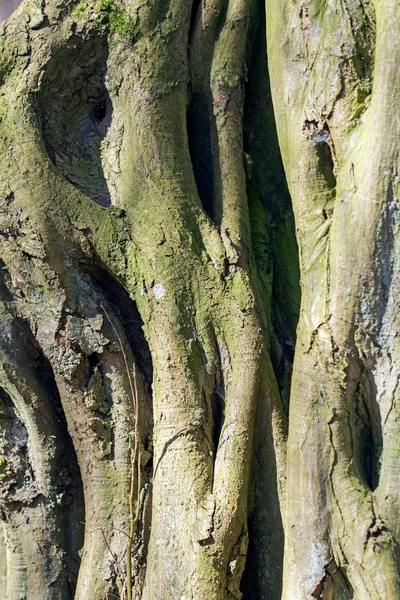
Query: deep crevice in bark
x,y
129,318
276,255
385,264
370,439
203,150
271,215
201,122
218,400
195,17
218,408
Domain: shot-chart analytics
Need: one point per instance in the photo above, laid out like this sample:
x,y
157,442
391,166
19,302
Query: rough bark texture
x,y
148,250
335,81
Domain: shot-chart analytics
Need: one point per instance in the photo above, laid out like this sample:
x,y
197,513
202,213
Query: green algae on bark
x,y
141,174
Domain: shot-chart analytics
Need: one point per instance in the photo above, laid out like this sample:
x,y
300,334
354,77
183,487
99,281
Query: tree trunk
x,y
149,298
337,115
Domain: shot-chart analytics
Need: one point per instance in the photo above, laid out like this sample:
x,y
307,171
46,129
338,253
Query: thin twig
x,y
135,461
121,531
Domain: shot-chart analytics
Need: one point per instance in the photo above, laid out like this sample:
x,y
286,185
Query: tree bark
x,y
149,298
338,131
113,228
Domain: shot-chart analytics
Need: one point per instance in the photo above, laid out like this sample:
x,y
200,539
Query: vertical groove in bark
x,y
207,20
275,254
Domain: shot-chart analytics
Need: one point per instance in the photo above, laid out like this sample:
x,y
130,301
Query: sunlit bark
x,y
148,250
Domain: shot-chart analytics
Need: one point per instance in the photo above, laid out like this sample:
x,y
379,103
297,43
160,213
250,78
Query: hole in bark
x,y
317,134
325,163
99,109
75,112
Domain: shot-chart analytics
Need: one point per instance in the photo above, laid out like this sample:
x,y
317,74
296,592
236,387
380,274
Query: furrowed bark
x,y
213,538
88,368
108,216
342,176
143,204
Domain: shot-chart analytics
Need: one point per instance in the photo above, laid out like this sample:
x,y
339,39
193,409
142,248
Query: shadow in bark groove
x,y
276,255
271,216
385,262
201,127
218,411
204,152
369,441
194,17
218,396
